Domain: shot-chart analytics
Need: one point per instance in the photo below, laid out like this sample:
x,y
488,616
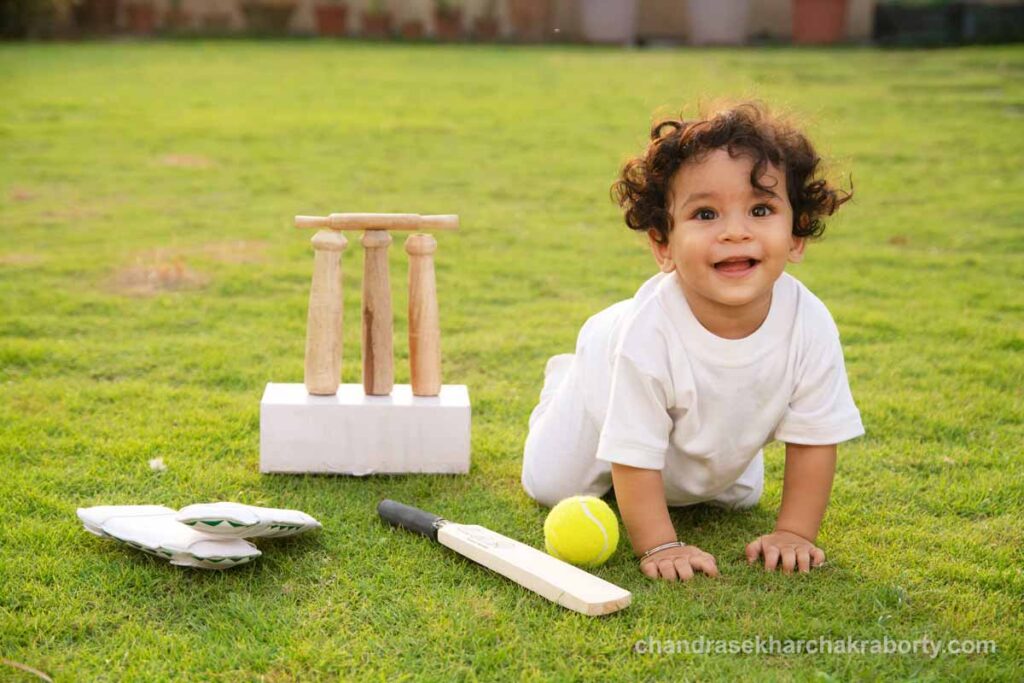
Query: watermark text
x,y
758,645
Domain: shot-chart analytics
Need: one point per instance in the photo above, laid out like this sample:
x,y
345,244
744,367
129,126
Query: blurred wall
x,y
773,19
204,13
657,20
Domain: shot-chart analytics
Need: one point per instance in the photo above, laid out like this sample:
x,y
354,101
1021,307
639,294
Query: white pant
x,y
558,459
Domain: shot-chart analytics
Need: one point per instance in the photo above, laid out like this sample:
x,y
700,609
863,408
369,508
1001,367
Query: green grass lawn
x,y
151,284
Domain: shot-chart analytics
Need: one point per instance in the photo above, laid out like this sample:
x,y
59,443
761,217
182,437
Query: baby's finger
x,y
684,569
817,557
771,557
753,550
788,560
667,570
650,570
706,564
803,560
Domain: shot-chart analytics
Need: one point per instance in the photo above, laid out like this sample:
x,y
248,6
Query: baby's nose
x,y
736,229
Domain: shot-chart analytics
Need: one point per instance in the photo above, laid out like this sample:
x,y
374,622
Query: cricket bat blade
x,y
532,569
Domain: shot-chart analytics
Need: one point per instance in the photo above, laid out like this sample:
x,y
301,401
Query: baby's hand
x,y
794,551
674,564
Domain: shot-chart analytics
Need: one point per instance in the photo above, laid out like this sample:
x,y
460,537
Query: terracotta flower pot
x,y
141,18
411,29
267,18
331,20
819,21
376,24
530,18
485,28
448,24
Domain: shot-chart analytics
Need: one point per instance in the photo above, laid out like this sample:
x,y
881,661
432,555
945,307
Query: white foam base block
x,y
352,433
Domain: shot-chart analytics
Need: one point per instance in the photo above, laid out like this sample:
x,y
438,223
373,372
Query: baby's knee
x,y
547,492
548,489
539,479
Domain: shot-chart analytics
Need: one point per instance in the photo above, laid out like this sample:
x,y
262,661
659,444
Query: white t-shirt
x,y
672,396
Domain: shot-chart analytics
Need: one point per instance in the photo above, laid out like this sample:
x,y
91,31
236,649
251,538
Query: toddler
x,y
671,395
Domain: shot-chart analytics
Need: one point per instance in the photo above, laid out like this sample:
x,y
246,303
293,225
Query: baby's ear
x,y
796,249
660,251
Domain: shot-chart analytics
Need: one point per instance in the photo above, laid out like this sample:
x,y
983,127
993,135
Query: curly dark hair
x,y
644,184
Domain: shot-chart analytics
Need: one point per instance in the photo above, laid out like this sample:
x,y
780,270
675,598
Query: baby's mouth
x,y
736,266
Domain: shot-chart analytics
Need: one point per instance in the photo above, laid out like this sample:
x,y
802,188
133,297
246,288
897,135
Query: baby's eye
x,y
766,208
702,214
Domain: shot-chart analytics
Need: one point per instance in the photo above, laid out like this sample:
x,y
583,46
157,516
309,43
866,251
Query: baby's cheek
x,y
691,252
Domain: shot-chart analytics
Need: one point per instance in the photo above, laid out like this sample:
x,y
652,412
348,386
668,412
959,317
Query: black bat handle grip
x,y
408,517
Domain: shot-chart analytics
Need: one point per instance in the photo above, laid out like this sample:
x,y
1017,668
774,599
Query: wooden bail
x,y
324,324
424,323
378,352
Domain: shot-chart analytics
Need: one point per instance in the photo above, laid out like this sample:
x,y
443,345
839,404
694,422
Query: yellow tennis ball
x,y
582,530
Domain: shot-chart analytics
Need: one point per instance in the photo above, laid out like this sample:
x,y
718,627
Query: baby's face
x,y
729,242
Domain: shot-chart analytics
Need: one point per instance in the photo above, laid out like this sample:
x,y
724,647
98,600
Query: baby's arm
x,y
805,491
641,499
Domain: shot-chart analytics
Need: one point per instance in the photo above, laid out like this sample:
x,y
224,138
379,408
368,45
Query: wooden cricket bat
x,y
532,569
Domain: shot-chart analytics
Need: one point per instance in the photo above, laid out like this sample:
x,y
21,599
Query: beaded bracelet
x,y
663,546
